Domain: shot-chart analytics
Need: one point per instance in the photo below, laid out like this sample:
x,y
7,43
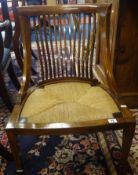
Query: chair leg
x,y
13,76
128,133
12,137
4,93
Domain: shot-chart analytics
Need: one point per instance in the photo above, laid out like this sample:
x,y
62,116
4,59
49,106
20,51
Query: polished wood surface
x,y
126,47
66,53
125,57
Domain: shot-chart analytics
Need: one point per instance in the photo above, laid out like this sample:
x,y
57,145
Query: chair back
x,y
66,46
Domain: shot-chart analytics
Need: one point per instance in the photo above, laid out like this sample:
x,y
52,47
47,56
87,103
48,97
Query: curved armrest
x,y
108,70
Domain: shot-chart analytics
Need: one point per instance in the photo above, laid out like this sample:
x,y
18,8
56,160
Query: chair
x,y
5,58
67,97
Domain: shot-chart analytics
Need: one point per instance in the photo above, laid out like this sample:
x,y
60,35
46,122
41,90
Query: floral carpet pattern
x,y
72,155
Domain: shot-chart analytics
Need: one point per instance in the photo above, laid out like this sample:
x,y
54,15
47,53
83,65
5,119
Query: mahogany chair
x,y
67,97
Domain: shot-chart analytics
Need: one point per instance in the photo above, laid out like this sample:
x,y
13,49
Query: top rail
x,y
61,9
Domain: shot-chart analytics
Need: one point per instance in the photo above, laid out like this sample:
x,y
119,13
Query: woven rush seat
x,y
68,102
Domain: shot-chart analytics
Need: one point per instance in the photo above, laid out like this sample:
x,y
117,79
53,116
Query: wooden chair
x,y
67,97
5,58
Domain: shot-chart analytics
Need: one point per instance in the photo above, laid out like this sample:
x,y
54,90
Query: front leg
x,y
128,133
12,137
